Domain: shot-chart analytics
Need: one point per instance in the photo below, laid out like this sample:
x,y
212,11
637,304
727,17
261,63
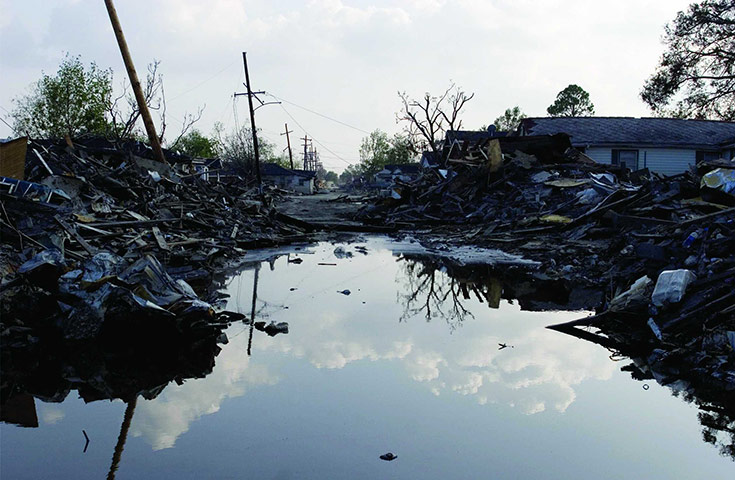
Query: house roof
x,y
471,135
612,131
404,168
275,170
305,173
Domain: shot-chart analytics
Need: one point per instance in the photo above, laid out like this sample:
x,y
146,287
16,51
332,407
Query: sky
x,y
337,65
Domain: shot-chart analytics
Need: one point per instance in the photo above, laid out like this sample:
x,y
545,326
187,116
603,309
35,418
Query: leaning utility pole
x,y
288,141
135,83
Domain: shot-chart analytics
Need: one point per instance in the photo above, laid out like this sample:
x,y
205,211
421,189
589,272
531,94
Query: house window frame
x,y
615,157
700,155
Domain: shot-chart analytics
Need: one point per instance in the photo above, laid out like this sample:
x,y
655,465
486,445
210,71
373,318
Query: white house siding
x,y
599,155
667,161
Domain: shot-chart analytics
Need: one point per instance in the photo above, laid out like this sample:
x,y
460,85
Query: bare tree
x,y
124,120
427,120
433,294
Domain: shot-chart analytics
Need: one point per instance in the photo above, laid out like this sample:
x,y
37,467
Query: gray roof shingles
x,y
664,132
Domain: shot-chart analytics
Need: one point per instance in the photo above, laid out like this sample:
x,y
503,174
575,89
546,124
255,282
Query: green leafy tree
x,y
281,159
510,120
401,150
573,101
374,151
378,150
78,101
331,176
195,144
697,71
73,102
350,173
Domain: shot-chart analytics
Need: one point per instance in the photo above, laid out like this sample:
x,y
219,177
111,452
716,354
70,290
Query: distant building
x,y
405,172
664,145
209,169
302,181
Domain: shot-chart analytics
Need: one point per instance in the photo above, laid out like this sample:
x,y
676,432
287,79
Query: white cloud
x,y
348,59
538,372
162,420
424,366
50,415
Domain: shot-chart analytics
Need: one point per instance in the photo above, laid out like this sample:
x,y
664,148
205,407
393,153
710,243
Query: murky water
x,y
445,373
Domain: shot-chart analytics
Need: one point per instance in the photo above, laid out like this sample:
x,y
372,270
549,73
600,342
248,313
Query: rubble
x,y
99,237
597,228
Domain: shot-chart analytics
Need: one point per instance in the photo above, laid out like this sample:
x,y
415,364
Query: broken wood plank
x,y
133,223
75,235
159,239
707,217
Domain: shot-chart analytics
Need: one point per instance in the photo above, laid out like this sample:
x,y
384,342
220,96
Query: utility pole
x,y
251,94
288,141
252,122
306,140
150,128
252,310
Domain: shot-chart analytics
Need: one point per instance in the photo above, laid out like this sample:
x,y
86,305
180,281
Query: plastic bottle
x,y
690,239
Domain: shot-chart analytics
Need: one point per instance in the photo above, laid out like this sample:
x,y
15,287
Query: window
x,y
703,156
625,158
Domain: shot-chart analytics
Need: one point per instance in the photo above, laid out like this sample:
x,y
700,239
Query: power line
x,y
202,82
312,137
319,114
9,125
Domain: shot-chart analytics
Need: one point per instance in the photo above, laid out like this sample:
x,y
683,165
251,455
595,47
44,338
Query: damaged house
x,y
663,145
406,172
302,181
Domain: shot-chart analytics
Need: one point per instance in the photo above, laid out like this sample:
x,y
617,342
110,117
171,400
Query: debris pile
x,y
661,249
99,232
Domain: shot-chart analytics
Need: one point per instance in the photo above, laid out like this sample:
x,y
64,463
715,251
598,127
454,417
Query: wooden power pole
x,y
288,142
252,122
135,83
305,138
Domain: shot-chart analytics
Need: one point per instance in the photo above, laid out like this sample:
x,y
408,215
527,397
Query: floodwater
x,y
459,382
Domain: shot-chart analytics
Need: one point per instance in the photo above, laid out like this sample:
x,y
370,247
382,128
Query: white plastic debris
x,y
636,294
721,179
154,175
671,286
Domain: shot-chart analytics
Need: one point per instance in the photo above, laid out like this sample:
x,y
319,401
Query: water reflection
x,y
123,365
501,355
428,293
122,438
539,372
699,387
